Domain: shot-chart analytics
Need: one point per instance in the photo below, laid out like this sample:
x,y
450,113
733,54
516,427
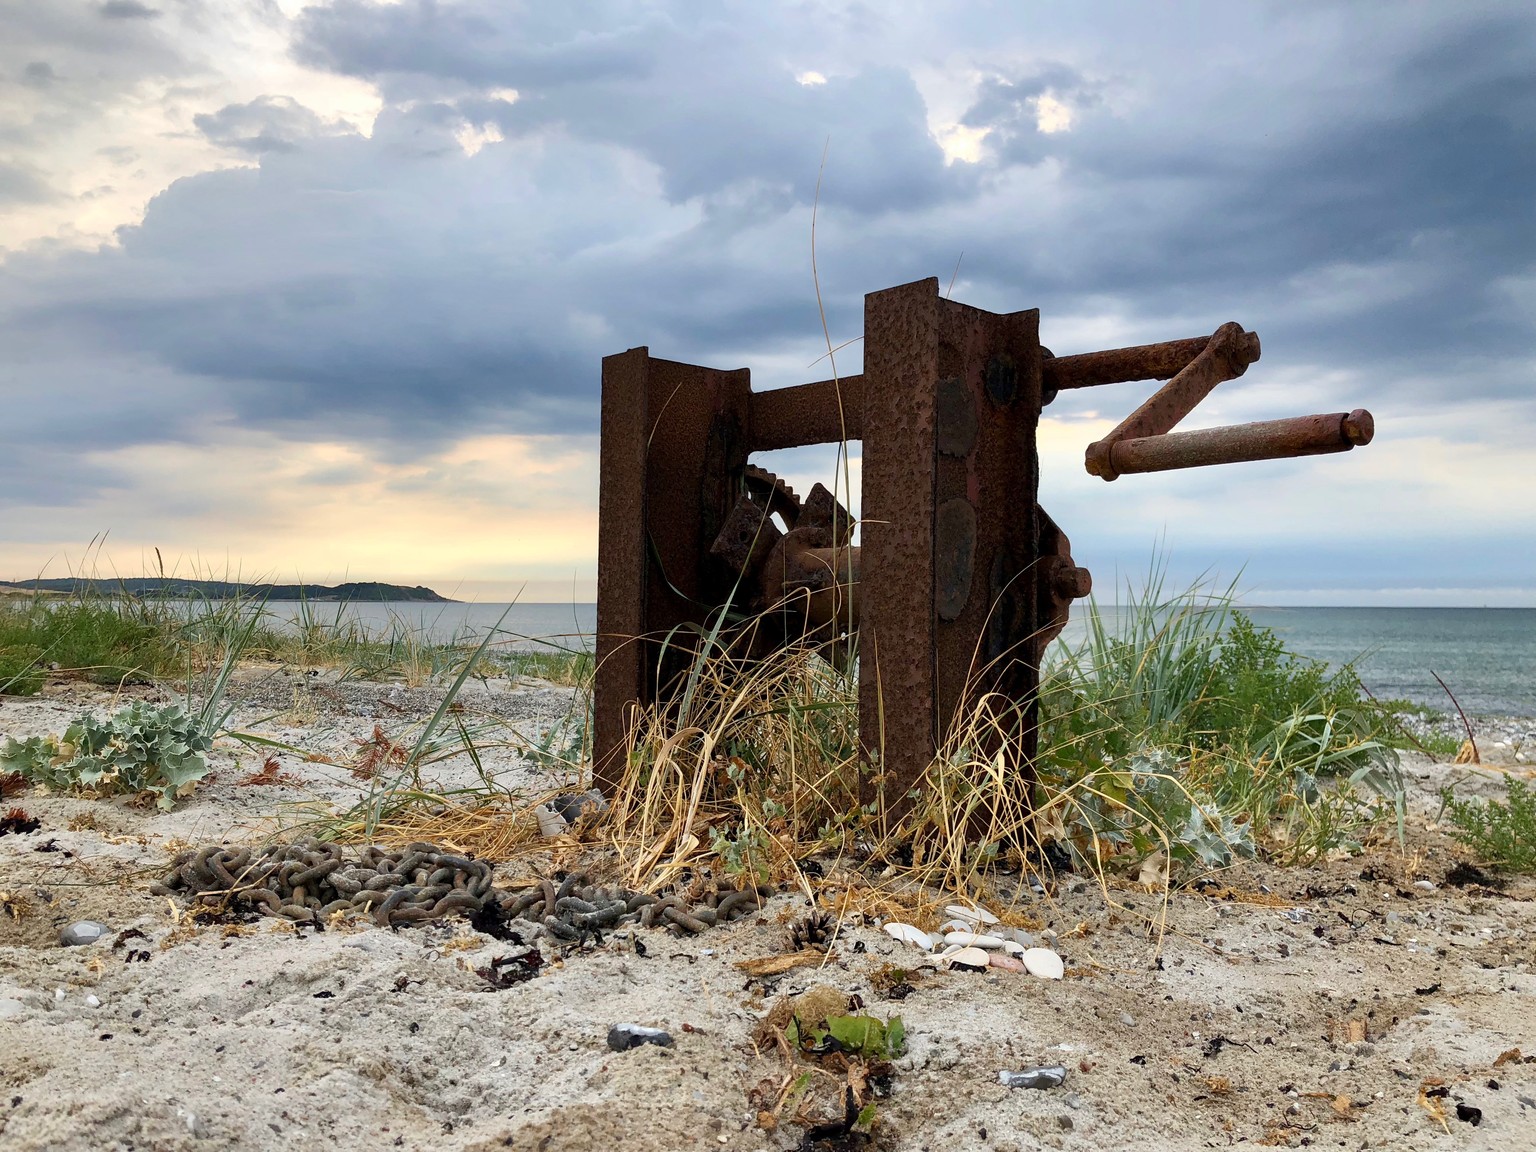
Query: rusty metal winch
x,y
961,579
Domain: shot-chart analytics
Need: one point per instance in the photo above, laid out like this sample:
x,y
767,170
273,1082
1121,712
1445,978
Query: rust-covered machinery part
x,y
961,579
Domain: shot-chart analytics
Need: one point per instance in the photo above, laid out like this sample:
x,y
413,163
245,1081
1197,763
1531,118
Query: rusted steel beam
x,y
673,454
1120,365
1238,443
820,413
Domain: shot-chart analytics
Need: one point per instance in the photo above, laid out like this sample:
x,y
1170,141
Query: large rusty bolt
x,y
1069,582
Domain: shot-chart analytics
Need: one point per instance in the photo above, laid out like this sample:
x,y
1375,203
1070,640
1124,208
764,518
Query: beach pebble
x,y
1425,885
974,940
1017,935
969,958
1005,962
973,915
1051,1076
551,823
83,932
91,1000
1044,963
1127,1019
623,1037
908,934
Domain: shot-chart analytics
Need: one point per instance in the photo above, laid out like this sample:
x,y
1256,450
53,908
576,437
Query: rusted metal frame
x,y
952,533
674,449
1240,443
623,563
1225,357
823,412
897,650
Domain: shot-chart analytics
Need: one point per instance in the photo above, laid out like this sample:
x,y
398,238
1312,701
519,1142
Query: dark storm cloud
x,y
655,181
38,74
266,124
479,44
128,10
700,93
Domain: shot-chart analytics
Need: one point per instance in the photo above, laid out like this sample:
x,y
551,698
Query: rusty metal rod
x,y
1237,443
1119,365
820,413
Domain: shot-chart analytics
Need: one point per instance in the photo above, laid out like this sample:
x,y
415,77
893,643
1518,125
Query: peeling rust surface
x,y
954,556
956,416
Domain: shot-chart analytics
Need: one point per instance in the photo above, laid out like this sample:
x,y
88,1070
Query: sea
x,y
1486,656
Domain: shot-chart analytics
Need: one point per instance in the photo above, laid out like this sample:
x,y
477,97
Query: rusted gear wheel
x,y
768,490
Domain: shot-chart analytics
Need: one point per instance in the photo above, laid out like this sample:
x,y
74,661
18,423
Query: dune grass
x,y
1182,731
121,639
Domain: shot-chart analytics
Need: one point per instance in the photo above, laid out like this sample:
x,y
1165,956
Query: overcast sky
x,y
321,291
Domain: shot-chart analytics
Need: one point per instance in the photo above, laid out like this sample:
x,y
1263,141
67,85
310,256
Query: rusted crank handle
x,y
1237,443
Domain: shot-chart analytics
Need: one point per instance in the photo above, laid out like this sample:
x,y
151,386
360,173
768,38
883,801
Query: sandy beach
x,y
1372,1001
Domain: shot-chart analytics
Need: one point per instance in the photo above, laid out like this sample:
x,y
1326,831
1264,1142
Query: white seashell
x,y
1044,963
973,940
1006,963
908,934
974,915
959,926
970,958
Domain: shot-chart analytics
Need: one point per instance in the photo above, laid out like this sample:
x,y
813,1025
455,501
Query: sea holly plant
x,y
139,748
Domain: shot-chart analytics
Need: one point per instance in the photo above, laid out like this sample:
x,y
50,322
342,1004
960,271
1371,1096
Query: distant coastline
x,y
169,588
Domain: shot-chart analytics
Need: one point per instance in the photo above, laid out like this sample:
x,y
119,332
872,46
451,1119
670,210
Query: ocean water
x,y
1487,656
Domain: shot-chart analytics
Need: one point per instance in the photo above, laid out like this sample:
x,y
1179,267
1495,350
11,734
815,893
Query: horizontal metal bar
x,y
820,413
1119,365
1238,443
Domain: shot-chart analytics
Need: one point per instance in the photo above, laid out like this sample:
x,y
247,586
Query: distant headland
x,y
170,588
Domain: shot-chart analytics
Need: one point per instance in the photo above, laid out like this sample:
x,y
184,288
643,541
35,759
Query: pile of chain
x,y
578,909
310,880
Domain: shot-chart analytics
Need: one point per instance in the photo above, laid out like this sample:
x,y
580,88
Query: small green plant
x,y
1501,834
864,1037
139,748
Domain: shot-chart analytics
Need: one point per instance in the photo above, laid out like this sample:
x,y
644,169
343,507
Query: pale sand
x,y
218,1042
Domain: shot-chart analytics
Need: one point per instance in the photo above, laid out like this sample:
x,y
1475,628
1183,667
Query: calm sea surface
x,y
1486,655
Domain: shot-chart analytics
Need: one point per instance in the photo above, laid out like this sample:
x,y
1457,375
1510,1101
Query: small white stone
x,y
58,995
908,934
91,1001
974,915
1044,963
974,940
1426,885
970,958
